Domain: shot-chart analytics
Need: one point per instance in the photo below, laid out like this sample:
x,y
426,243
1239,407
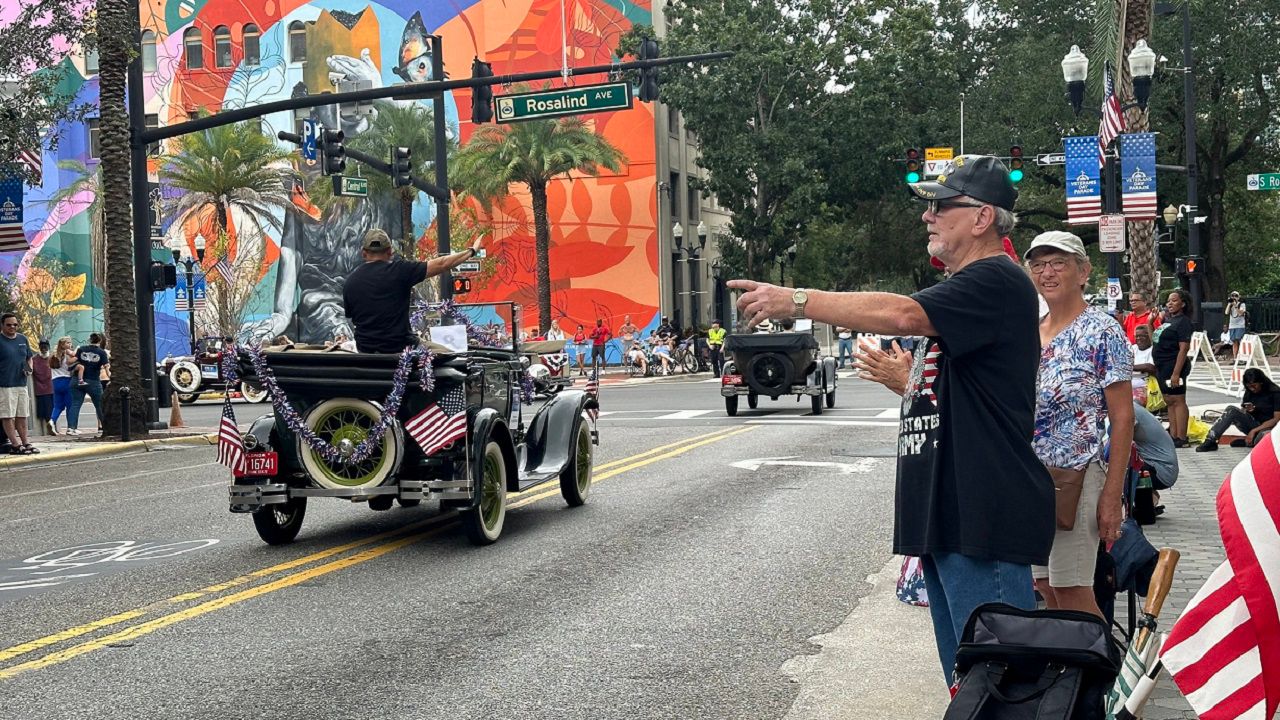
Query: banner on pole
x,y
1138,174
12,237
1084,189
180,302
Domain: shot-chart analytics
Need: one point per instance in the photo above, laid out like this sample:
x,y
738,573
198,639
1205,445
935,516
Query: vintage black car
x,y
191,375
776,364
507,446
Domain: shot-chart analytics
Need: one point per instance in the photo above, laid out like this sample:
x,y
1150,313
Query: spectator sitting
x,y
555,333
1258,413
1143,366
637,356
662,351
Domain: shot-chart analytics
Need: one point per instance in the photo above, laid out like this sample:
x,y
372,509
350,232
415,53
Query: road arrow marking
x,y
863,465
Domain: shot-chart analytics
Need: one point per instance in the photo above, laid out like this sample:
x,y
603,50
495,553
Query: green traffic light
x,y
913,177
1015,175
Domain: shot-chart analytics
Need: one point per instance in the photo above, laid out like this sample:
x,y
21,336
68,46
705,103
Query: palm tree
x,y
532,153
87,181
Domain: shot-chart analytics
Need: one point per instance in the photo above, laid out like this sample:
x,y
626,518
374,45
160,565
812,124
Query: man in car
x,y
376,295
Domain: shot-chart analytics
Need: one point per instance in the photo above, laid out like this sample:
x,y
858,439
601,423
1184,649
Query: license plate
x,y
209,371
730,379
260,463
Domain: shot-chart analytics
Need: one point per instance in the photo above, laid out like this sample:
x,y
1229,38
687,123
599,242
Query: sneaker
x,y
50,427
1207,446
1239,442
73,431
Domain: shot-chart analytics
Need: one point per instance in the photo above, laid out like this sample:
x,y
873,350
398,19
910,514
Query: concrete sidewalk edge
x,y
15,461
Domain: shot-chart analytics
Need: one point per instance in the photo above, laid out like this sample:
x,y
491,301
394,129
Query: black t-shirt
x,y
1265,404
968,480
1164,355
92,358
376,300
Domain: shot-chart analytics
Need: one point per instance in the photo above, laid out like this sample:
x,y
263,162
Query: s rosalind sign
x,y
570,101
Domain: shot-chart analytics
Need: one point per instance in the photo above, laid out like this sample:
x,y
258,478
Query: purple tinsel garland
x,y
480,336
390,406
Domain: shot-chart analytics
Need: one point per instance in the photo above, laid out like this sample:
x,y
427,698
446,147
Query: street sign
x,y
310,138
936,159
468,266
1111,233
569,101
1051,159
1263,181
350,186
1114,292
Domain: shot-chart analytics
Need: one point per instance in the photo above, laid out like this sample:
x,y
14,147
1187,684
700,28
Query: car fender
x,y
487,423
551,433
829,372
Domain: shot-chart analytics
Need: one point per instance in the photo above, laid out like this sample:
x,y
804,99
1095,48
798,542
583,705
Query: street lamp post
x,y
180,254
677,247
695,273
1075,68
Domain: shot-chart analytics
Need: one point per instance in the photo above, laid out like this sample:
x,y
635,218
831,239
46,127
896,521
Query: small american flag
x,y
593,395
441,423
1112,123
1224,650
230,446
224,269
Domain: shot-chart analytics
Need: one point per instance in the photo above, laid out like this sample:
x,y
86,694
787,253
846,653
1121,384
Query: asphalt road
x,y
679,590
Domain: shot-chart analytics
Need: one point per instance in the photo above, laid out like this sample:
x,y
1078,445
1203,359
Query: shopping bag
x,y
1197,430
1155,398
911,583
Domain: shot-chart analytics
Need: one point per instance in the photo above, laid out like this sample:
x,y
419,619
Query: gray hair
x,y
1005,220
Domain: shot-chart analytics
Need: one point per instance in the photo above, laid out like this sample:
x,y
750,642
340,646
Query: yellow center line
x,y
632,462
660,448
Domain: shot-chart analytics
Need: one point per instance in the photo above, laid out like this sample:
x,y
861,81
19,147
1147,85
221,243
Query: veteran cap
x,y
376,241
981,177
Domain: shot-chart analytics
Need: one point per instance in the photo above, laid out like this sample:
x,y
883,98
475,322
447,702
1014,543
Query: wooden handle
x,y
1161,581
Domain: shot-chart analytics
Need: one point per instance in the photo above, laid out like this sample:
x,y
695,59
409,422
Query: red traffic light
x,y
1015,152
461,285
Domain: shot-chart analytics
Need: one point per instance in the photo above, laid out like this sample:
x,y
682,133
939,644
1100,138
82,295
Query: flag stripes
x,y
230,446
440,423
1112,123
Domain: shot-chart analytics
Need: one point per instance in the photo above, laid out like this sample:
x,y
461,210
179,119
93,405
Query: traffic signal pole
x,y
442,172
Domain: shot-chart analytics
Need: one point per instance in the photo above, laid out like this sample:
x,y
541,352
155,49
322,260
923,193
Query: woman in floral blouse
x,y
1085,368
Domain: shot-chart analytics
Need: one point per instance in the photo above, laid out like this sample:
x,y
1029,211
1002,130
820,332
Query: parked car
x,y
777,364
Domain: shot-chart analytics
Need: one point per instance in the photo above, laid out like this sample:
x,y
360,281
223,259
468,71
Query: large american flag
x,y
1224,650
230,446
1112,123
441,423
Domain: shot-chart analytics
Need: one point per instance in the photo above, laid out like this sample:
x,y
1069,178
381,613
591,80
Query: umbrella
x,y
1140,668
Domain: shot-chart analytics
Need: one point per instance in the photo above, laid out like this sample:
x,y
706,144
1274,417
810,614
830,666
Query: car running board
x,y
529,479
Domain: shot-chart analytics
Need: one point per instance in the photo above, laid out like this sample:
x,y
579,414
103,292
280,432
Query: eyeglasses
x,y
1037,266
937,206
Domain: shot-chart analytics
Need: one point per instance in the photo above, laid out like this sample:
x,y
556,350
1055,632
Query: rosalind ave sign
x,y
569,101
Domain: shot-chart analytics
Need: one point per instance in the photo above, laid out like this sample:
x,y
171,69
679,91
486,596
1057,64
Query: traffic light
x,y
1190,266
913,165
481,95
649,75
335,155
461,285
163,276
1015,164
400,167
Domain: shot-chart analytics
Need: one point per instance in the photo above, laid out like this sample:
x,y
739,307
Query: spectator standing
x,y
15,366
1258,413
600,336
1139,314
1172,366
580,348
61,363
965,463
715,342
844,337
555,333
96,364
1085,379
627,331
1237,321
42,378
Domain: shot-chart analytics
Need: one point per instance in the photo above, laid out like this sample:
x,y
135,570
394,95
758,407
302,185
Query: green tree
x,y
532,153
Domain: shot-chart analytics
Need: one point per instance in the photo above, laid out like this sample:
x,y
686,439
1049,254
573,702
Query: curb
x,y
105,450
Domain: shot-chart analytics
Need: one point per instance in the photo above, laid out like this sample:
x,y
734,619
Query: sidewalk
x,y
61,448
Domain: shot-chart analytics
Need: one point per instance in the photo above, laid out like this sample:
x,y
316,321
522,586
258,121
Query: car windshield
x,y
483,325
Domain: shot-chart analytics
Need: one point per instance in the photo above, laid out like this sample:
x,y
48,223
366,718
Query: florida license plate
x,y
209,371
730,379
260,463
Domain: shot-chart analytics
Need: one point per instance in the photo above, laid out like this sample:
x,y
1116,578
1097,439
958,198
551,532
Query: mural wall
x,y
214,54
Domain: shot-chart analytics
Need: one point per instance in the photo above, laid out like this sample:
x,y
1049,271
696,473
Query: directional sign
x,y
350,186
1263,181
570,101
935,159
1051,159
468,266
310,139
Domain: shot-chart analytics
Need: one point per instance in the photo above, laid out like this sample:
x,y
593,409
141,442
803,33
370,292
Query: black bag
x,y
1033,665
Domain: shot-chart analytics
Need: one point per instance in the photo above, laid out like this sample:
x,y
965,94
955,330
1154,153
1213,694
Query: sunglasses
x,y
937,206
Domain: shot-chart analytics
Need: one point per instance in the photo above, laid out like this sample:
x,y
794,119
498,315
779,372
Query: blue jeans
x,y
957,584
62,400
846,351
92,388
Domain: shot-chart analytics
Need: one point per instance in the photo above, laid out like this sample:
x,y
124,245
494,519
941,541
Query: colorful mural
x,y
214,54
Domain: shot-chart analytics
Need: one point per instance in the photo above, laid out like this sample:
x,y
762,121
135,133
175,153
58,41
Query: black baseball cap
x,y
981,177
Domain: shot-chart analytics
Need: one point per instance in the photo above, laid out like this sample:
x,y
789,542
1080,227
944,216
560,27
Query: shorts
x,y
1075,551
1237,334
14,402
1162,379
597,352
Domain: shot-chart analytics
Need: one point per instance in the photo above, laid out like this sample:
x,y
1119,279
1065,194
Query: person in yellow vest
x,y
715,341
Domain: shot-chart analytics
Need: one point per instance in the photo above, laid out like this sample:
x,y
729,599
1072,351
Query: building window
x,y
193,48
152,121
222,47
94,137
252,53
694,202
675,197
297,41
148,51
673,120
91,56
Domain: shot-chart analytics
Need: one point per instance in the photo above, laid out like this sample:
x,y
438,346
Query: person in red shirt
x,y
1141,314
600,335
580,348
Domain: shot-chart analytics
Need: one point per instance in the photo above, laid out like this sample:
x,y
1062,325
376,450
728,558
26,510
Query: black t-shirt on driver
x,y
376,300
968,480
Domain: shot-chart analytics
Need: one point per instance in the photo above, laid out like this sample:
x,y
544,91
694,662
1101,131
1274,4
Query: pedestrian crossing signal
x,y
1015,164
913,165
461,285
1189,266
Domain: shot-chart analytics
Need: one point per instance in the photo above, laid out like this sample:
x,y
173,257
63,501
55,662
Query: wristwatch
x,y
473,252
800,297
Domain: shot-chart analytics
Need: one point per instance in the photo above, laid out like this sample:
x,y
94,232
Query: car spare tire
x,y
345,423
770,374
